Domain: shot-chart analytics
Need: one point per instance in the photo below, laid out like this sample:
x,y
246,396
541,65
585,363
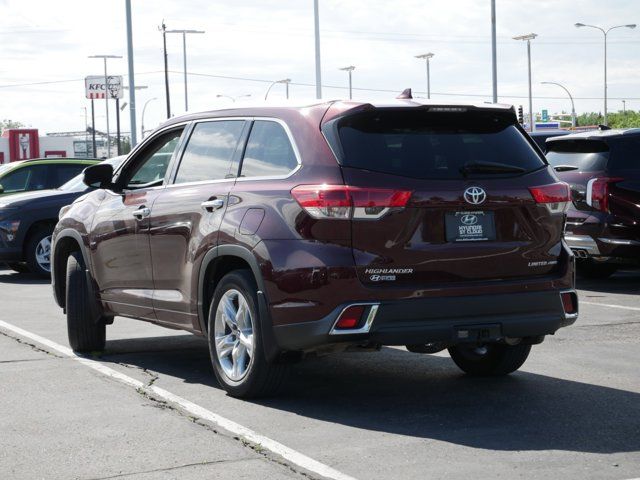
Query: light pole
x,y
144,109
573,107
605,33
624,107
286,81
233,99
528,37
427,57
106,95
132,84
163,29
184,58
350,70
316,23
494,55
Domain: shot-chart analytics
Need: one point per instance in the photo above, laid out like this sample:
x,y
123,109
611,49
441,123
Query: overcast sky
x,y
257,41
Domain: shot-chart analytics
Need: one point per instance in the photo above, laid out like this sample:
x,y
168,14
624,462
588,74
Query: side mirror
x,y
98,176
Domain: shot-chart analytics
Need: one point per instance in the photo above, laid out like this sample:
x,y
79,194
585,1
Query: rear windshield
x,y
422,144
587,155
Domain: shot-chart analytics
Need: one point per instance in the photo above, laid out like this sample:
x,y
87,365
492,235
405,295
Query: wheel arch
x,y
66,242
218,262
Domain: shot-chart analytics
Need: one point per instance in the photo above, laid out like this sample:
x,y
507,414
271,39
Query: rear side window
x,y
626,154
422,144
269,151
587,155
65,172
209,153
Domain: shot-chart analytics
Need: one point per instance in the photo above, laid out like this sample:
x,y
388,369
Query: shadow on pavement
x,y
10,277
623,281
425,396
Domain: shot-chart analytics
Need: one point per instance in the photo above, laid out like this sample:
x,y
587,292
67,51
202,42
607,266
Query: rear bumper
x,y
427,320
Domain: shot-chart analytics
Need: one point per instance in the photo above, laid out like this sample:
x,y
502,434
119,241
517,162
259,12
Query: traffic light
x,y
520,115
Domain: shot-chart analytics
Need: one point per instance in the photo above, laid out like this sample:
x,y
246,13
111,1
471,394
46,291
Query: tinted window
x,y
38,177
209,153
626,154
269,151
65,172
150,167
421,144
15,181
587,155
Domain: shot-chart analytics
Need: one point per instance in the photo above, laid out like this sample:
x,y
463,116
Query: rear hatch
x,y
443,195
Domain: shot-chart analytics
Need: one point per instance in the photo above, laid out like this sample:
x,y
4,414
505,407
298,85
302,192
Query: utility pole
x,y
132,83
494,55
118,126
163,29
316,16
184,58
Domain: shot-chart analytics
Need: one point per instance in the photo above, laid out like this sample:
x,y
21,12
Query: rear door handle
x,y
142,212
211,205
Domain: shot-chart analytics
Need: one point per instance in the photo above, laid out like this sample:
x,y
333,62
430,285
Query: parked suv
x,y
603,225
27,221
280,232
39,173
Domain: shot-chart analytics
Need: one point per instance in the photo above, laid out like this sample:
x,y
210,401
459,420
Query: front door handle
x,y
142,212
211,205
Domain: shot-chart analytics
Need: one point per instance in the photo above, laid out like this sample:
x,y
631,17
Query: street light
x,y
427,57
106,95
144,109
573,107
316,25
184,58
350,70
233,99
286,81
605,33
528,37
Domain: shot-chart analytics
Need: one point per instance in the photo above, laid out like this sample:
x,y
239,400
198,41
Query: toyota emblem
x,y
475,195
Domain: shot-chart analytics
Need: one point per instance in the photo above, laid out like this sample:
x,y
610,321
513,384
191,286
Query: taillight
x,y
598,192
345,202
556,196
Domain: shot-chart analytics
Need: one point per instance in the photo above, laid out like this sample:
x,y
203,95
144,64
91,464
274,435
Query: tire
x,y
38,251
589,268
492,359
86,333
18,267
235,340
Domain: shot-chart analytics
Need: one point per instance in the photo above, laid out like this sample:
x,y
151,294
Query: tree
x,y
6,123
628,119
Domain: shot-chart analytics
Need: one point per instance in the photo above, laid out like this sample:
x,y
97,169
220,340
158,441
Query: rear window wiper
x,y
565,168
490,167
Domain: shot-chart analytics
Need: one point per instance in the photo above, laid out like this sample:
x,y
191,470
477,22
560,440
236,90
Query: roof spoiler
x,y
405,95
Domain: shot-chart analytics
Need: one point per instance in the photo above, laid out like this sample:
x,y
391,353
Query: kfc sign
x,y
95,86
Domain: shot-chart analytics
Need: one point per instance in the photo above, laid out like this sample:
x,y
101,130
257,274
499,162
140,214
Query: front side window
x,y
150,167
209,153
15,181
269,151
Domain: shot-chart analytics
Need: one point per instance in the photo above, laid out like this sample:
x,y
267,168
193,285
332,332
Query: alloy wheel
x,y
234,334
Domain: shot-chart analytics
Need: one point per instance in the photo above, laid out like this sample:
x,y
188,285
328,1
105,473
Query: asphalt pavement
x,y
150,407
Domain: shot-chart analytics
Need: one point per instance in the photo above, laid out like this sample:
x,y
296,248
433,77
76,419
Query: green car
x,y
39,173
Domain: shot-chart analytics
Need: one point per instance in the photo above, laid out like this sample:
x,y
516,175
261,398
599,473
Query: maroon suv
x,y
280,232
603,224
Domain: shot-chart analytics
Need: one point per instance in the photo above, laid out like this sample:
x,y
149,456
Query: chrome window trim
x,y
292,142
373,311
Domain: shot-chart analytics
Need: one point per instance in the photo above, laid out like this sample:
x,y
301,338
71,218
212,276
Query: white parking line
x,y
610,305
232,427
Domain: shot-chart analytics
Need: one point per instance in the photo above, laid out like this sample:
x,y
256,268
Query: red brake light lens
x,y
345,202
350,318
556,196
598,192
568,302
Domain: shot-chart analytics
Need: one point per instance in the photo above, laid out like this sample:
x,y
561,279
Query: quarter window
x,y
269,151
209,153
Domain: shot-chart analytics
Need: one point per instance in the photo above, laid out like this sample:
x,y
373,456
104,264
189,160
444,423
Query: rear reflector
x,y
345,202
556,196
598,192
569,302
350,317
